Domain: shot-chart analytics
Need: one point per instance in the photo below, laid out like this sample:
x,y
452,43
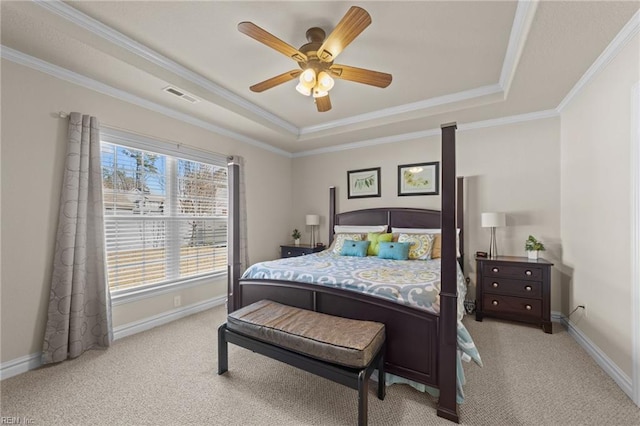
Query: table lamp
x,y
313,220
493,220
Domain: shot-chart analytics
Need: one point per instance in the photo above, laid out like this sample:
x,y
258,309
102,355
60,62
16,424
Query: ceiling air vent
x,y
181,94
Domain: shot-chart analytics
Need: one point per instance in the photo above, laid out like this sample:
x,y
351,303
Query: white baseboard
x,y
596,353
20,365
166,317
31,362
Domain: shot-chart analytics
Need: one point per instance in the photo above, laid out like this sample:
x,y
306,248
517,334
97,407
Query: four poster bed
x,y
423,344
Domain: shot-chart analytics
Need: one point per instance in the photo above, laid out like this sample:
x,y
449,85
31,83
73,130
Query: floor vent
x,y
181,94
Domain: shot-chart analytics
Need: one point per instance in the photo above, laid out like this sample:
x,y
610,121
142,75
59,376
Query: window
x,y
165,216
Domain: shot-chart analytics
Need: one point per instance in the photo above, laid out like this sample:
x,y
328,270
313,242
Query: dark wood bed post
x,y
332,212
233,238
460,217
447,406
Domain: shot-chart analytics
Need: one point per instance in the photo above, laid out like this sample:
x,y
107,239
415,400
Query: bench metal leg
x,y
363,393
382,386
222,350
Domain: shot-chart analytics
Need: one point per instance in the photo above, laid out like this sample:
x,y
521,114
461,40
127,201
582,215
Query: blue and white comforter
x,y
413,283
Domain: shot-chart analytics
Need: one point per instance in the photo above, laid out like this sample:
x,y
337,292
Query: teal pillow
x,y
375,239
395,251
354,248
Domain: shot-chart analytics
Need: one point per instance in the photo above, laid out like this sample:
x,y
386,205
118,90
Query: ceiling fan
x,y
315,58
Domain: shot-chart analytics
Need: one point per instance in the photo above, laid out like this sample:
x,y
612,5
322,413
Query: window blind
x,y
165,216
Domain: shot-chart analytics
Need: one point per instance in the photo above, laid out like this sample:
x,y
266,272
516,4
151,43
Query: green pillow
x,y
375,239
354,248
395,251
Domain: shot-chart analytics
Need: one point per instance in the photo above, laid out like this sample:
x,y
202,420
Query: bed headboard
x,y
398,217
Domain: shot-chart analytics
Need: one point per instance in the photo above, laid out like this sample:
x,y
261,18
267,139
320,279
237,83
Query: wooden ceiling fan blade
x,y
323,104
361,75
274,81
350,26
265,37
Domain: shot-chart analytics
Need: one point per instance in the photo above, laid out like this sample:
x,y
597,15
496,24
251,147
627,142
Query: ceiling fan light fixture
x,y
317,93
308,78
325,82
302,89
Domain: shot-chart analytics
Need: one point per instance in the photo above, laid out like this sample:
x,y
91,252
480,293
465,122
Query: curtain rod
x,y
64,114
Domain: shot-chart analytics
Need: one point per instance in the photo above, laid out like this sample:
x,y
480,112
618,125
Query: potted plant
x,y
533,246
296,237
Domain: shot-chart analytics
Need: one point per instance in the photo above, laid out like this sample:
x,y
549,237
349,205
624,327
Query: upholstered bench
x,y
339,349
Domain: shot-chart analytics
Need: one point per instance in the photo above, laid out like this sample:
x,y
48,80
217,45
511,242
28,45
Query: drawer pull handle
x,y
528,272
494,303
528,288
288,252
495,285
527,307
495,269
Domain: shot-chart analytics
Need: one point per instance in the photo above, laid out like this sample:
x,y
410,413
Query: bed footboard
x,y
412,335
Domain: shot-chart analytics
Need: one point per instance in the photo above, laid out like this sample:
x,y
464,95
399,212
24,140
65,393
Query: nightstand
x,y
301,250
514,288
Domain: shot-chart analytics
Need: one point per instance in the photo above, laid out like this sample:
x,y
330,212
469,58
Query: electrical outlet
x,y
177,301
584,308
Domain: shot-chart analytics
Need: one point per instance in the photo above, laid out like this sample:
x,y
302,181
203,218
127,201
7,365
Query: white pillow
x,y
419,231
359,229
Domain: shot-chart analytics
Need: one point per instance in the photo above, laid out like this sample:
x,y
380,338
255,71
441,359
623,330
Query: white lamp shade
x,y
493,220
313,219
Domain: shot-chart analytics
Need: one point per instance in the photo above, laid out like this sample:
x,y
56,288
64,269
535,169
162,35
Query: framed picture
x,y
419,179
364,183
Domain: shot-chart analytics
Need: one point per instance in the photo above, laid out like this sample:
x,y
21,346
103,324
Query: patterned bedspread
x,y
409,282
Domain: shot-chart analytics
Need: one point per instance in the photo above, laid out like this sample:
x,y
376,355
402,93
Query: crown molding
x,y
369,142
117,38
617,44
512,119
81,80
400,109
525,12
503,121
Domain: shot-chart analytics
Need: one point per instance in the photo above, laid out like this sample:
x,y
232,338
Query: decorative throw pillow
x,y
395,251
341,238
354,248
375,239
436,250
437,246
420,245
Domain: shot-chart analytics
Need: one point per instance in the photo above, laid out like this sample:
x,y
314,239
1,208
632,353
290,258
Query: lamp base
x,y
493,247
313,236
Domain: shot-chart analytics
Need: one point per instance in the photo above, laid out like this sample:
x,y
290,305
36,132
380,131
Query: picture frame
x,y
363,183
419,179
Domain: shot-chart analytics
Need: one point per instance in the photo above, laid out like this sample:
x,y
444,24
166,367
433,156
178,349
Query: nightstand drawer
x,y
509,305
509,287
293,252
301,250
520,272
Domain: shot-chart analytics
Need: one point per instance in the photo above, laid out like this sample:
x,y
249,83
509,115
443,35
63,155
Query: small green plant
x,y
296,234
533,245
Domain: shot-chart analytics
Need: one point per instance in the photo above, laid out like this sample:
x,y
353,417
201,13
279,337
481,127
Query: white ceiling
x,y
461,61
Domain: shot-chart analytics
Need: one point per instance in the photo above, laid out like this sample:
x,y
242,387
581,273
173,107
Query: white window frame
x,y
177,150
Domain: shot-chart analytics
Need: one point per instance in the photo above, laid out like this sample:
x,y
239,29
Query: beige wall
x,y
513,168
33,149
596,206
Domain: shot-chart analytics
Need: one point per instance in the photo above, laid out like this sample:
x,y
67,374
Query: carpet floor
x,y
167,376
